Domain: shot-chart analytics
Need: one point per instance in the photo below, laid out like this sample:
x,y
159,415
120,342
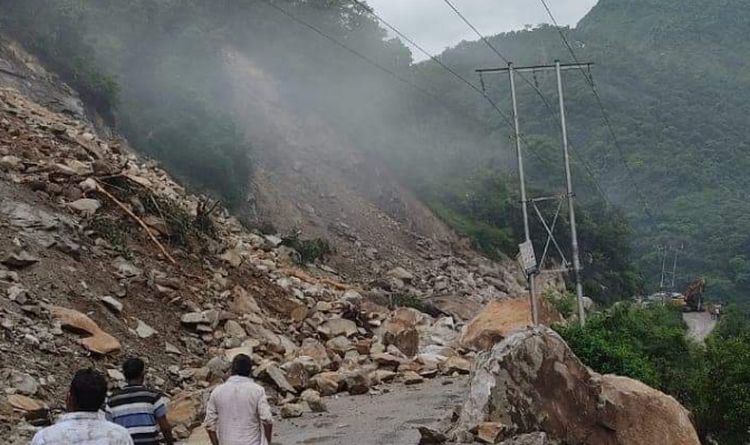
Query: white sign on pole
x,y
527,257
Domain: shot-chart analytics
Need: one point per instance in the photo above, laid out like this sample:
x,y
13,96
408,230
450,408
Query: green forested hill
x,y
674,78
673,75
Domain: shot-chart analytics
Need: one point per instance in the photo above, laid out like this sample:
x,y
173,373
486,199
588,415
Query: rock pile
x,y
103,256
532,382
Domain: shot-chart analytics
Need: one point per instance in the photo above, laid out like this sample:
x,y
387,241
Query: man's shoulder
x,y
247,384
134,394
60,433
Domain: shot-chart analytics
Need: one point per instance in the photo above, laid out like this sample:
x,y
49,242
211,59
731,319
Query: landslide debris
x,y
104,256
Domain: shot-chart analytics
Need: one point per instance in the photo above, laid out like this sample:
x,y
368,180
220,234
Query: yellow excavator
x,y
692,299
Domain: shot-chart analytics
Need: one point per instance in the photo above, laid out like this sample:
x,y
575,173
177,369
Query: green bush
x,y
649,344
564,303
309,250
408,300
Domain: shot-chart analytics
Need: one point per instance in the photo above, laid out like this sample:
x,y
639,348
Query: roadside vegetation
x,y
649,344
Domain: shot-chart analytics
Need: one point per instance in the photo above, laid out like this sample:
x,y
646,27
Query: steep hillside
x,y
104,256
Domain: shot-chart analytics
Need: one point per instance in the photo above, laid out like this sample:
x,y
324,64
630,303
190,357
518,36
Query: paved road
x,y
386,419
700,325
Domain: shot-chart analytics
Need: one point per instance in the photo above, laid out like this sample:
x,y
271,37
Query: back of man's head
x,y
242,365
133,369
88,390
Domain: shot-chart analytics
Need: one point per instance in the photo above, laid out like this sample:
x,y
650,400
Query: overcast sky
x,y
433,25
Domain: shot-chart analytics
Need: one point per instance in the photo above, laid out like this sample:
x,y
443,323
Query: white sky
x,y
433,25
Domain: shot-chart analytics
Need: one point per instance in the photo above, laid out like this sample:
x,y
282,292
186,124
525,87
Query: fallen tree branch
x,y
140,222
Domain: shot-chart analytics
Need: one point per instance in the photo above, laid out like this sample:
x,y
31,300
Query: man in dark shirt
x,y
141,410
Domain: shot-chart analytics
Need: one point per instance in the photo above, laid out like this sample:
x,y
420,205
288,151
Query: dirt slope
x,y
311,179
103,256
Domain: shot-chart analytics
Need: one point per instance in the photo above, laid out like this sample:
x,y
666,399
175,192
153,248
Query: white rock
x,y
112,303
143,330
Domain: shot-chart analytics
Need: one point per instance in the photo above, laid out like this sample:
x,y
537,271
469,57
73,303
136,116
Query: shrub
x,y
309,250
408,300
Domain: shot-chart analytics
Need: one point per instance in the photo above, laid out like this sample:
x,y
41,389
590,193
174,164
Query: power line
x,y
605,115
550,109
394,74
359,55
443,65
434,58
499,54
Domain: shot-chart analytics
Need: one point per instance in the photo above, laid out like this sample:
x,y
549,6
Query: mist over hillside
x,y
670,74
674,85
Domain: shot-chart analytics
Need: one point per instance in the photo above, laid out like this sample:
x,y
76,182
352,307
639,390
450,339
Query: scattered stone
x,y
456,364
218,366
10,163
8,276
98,341
490,432
112,303
169,348
340,345
401,274
194,318
21,382
429,436
116,375
412,378
243,302
327,383
186,409
86,206
338,326
234,330
357,383
20,260
278,378
18,294
314,401
125,268
143,330
232,256
296,375
291,410
25,404
382,376
313,349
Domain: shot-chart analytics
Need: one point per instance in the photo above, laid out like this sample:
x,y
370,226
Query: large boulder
x,y
532,381
501,318
96,339
401,331
187,409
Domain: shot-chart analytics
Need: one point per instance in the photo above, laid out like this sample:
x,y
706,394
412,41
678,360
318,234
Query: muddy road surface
x,y
700,325
390,418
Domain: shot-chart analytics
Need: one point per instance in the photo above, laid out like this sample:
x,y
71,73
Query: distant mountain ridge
x,y
674,78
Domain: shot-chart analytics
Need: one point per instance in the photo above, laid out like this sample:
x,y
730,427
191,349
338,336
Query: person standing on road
x,y
142,411
238,412
84,424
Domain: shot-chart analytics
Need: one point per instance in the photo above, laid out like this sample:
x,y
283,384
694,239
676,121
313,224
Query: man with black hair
x,y
238,412
84,424
142,411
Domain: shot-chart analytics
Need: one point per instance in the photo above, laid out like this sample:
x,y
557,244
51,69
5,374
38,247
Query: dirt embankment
x,y
105,256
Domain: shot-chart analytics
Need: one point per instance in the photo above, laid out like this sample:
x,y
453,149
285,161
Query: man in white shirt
x,y
238,412
84,424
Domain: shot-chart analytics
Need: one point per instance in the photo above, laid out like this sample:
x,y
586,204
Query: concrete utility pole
x,y
571,197
524,202
663,268
558,68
